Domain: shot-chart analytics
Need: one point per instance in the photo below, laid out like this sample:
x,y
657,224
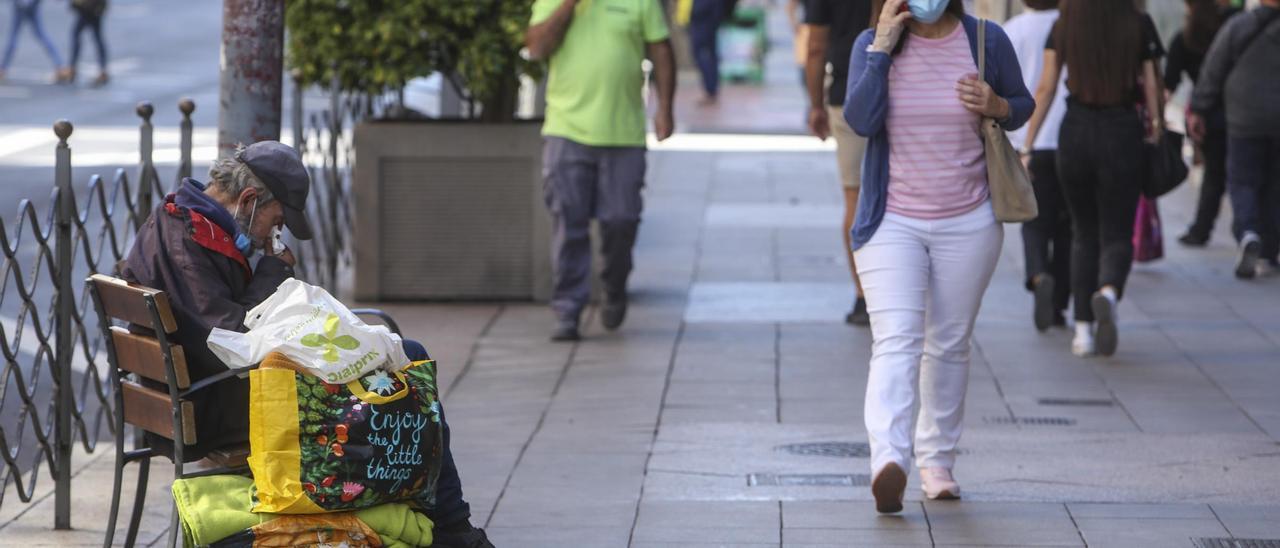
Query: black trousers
x,y
1214,183
1046,240
1100,166
94,24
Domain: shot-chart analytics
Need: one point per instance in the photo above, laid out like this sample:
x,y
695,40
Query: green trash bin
x,y
742,41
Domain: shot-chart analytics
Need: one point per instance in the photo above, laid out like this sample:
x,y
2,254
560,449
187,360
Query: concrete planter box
x,y
450,211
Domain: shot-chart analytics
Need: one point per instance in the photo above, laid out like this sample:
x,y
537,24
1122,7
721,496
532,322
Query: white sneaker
x,y
1083,345
1104,314
1250,250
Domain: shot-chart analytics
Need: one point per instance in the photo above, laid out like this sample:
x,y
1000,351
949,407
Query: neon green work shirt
x,y
595,89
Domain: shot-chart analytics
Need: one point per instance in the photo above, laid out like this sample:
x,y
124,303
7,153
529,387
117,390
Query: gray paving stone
x,y
1147,532
864,537
807,514
1246,521
1001,524
709,514
1139,511
558,536
698,536
548,507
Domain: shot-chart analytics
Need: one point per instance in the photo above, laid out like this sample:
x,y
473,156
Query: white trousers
x,y
923,281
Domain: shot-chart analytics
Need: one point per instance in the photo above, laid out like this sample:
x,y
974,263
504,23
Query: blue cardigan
x,y
866,107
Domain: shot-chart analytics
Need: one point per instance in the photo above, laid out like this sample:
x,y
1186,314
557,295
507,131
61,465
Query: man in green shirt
x,y
594,156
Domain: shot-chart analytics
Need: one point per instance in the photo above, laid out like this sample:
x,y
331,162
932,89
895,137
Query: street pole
x,y
252,67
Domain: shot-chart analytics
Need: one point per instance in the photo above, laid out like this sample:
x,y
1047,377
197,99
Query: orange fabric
x,y
343,529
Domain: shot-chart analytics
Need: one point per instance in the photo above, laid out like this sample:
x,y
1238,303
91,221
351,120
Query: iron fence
x,y
53,380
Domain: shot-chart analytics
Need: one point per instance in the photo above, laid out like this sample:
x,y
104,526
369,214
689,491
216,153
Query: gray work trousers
x,y
580,183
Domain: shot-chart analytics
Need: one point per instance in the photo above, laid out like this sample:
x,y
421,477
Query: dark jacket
x,y
866,108
1240,72
187,249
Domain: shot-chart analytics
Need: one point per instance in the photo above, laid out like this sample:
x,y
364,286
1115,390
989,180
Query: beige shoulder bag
x,y
1011,195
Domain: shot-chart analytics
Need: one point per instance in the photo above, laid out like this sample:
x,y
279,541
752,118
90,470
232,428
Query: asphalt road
x,y
159,52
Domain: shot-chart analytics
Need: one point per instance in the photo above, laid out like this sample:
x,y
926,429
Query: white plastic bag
x,y
314,329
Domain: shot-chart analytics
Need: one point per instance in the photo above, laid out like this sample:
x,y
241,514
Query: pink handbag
x,y
1148,238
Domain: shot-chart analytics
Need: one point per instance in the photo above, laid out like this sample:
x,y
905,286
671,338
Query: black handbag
x,y
1165,168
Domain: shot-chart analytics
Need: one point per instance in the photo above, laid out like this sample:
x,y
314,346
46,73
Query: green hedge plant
x,y
375,46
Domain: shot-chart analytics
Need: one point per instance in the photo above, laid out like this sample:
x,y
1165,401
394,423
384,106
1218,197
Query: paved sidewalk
x,y
728,410
675,430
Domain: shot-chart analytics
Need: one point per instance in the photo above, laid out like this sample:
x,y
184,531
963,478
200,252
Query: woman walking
x,y
1046,240
1107,47
926,238
1186,53
27,12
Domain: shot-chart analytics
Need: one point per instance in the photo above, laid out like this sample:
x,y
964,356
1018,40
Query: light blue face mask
x,y
243,242
927,11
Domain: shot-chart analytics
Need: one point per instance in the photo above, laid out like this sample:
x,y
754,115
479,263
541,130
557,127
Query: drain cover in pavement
x,y
808,480
1236,543
1032,421
1077,402
838,449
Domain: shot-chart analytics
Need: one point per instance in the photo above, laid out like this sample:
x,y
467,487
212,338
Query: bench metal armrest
x,y
381,315
206,382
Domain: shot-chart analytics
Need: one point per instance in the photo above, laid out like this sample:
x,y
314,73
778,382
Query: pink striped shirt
x,y
937,168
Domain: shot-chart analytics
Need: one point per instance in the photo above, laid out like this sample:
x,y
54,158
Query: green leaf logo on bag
x,y
330,340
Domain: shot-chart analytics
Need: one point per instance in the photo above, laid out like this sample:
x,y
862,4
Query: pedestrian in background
x,y
593,162
1046,240
1186,55
27,12
926,236
833,25
704,27
1107,48
89,16
1240,74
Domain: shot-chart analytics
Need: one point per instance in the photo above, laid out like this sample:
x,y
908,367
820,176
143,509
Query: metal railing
x,y
53,377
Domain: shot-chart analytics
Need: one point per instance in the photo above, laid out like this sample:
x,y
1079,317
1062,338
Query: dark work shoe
x,y
1044,309
859,315
1194,239
566,332
613,312
1250,252
466,536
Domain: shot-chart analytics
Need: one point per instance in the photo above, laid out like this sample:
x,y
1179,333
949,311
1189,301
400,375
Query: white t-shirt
x,y
1029,32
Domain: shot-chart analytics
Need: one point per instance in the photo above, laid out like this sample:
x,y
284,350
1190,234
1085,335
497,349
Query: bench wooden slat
x,y
127,302
236,456
142,355
150,410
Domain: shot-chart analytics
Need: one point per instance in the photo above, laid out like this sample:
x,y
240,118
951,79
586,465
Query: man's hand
x,y
286,255
1195,127
544,38
819,123
663,124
